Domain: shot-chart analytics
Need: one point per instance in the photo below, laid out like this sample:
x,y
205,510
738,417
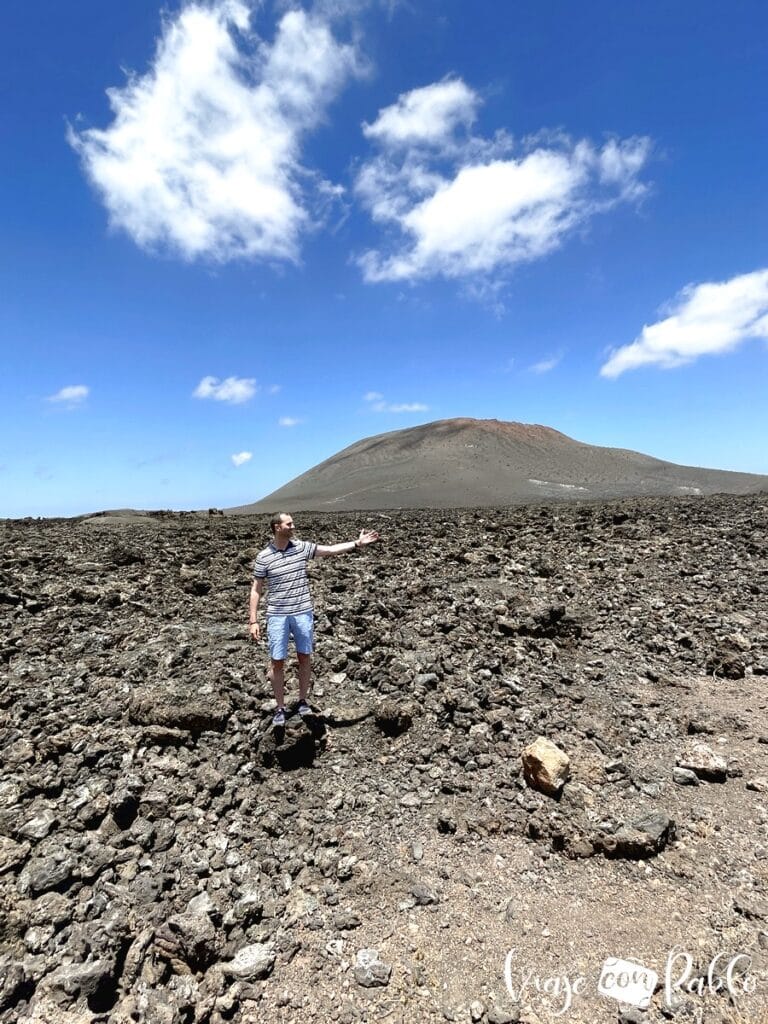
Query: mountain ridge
x,y
465,463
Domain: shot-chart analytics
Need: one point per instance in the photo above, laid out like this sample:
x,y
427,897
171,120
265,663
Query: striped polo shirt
x,y
286,576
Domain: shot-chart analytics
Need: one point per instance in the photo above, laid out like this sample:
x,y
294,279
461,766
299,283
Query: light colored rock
x,y
546,766
46,1011
12,854
39,826
370,971
254,961
701,759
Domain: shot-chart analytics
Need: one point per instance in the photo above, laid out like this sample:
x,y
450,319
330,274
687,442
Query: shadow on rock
x,y
294,748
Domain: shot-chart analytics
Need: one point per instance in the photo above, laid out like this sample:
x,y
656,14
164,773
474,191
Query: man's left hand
x,y
367,537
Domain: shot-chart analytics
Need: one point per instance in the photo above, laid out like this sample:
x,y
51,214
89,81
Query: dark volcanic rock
x,y
393,718
644,837
165,856
180,710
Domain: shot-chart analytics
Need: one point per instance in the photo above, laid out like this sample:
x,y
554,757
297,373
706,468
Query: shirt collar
x,y
274,547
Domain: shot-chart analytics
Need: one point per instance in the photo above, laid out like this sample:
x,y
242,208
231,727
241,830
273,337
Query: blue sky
x,y
238,237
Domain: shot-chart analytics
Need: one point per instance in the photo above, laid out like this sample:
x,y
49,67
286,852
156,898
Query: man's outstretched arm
x,y
366,537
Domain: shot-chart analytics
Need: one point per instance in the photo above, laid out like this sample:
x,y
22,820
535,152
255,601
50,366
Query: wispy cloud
x,y
704,319
203,156
70,396
377,403
425,117
288,421
241,458
462,206
545,365
234,390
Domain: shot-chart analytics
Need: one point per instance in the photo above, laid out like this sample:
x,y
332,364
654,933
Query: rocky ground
x,y
166,858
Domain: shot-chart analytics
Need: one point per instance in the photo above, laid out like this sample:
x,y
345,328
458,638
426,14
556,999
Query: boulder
x,y
545,766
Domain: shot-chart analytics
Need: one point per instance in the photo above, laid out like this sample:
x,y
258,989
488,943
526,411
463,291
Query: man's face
x,y
284,529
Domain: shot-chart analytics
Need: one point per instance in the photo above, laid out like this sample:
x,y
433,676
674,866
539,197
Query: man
x,y
282,565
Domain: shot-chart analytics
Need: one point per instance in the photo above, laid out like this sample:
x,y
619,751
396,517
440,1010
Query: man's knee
x,y
303,657
277,664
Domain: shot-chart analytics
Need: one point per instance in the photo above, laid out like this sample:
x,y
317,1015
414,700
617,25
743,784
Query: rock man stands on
x,y
283,566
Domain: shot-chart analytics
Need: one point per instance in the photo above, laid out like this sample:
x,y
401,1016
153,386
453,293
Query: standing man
x,y
283,565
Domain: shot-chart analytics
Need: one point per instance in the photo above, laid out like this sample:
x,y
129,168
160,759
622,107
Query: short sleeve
x,y
310,549
259,570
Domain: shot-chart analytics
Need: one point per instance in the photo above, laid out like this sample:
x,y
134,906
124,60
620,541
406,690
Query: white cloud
x,y
241,458
71,395
288,421
704,319
234,390
545,365
465,207
428,116
376,403
203,154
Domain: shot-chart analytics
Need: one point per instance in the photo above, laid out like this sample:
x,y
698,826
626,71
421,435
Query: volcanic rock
x,y
254,961
153,826
370,970
703,762
545,766
646,836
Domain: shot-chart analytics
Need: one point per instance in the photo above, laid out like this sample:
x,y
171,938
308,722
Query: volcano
x,y
471,463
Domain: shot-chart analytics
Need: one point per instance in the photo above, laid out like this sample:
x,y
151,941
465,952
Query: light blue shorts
x,y
281,627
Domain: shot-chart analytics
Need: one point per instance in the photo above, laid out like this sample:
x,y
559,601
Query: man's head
x,y
281,524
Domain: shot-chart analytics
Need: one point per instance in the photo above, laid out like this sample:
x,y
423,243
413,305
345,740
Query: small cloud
x,y
376,403
545,365
704,319
288,421
241,458
275,389
234,390
427,116
70,396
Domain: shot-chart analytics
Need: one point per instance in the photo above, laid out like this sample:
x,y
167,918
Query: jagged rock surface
x,y
164,859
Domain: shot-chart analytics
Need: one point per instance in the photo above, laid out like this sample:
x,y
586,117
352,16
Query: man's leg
x,y
276,676
305,674
277,633
303,633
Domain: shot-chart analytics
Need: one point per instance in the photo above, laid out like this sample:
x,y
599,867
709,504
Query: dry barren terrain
x,y
166,858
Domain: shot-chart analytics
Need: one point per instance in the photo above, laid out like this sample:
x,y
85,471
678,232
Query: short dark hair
x,y
275,520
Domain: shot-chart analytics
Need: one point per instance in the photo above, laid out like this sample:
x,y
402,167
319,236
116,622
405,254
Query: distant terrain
x,y
470,463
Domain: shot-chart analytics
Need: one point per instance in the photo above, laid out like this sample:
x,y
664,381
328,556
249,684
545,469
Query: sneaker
x,y
279,717
304,709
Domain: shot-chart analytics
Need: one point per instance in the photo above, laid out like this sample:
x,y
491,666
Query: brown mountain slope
x,y
468,463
